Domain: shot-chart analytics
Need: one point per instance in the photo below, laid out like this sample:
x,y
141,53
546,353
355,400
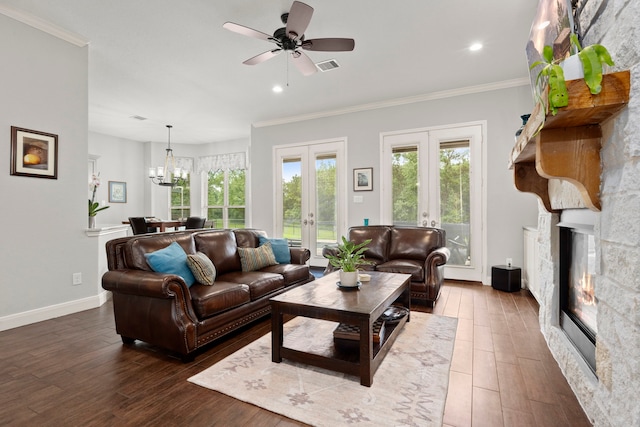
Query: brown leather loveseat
x,y
419,251
161,309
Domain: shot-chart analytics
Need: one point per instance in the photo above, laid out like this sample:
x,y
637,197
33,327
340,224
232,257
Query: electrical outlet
x,y
77,279
509,262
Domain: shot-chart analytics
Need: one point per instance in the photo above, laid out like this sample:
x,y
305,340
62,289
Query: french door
x,y
310,183
433,178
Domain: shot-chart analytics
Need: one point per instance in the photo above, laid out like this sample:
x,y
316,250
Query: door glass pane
x,y
405,186
292,200
455,200
326,199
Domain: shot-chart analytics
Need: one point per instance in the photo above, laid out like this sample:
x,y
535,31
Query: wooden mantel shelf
x,y
568,146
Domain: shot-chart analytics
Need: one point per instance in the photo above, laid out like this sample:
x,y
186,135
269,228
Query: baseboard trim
x,y
52,311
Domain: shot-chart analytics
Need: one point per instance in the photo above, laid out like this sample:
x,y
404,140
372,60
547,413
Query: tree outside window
x,y
226,198
181,198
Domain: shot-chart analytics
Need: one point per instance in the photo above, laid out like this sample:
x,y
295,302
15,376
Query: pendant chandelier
x,y
168,175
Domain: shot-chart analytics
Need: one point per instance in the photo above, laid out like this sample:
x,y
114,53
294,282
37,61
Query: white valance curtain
x,y
228,161
184,163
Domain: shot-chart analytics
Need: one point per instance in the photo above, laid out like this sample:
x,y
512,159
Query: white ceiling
x,y
172,62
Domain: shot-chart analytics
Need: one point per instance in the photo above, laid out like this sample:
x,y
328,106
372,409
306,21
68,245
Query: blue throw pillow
x,y
172,260
280,249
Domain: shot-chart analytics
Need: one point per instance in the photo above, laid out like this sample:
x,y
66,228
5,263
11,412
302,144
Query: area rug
x,y
409,388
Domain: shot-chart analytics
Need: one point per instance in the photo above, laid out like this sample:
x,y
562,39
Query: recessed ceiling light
x,y
475,46
277,89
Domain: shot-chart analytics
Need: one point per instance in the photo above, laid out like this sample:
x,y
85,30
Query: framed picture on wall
x,y
363,179
117,192
34,153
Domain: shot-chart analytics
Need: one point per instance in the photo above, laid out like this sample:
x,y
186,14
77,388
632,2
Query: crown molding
x,y
45,26
398,101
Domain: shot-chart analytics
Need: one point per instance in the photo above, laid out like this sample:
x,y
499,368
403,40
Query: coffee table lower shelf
x,y
344,356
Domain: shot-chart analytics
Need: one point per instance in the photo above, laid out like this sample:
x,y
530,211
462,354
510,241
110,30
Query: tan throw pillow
x,y
256,258
202,268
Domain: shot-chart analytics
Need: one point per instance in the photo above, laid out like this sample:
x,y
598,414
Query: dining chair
x,y
139,225
194,222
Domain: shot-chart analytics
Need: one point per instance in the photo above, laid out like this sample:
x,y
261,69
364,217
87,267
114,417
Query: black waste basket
x,y
505,278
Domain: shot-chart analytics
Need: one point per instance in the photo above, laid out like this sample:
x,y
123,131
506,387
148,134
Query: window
x,y
226,198
181,198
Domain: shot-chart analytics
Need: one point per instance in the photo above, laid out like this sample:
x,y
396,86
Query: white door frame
x,y
475,132
305,151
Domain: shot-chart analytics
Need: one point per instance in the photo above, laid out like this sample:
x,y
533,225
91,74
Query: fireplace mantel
x,y
568,145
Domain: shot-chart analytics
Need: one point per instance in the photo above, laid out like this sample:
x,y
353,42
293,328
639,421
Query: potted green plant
x,y
348,257
592,58
552,73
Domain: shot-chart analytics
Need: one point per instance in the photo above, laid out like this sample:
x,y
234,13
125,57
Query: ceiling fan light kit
x,y
291,38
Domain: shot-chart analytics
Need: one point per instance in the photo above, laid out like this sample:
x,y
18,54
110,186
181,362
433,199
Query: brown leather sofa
x,y
419,251
162,310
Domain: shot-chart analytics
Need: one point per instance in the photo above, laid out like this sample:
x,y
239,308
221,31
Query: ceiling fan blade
x,y
246,31
262,57
329,44
298,20
303,63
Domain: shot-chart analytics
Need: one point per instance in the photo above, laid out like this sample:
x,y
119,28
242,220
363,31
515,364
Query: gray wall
x,y
508,210
43,83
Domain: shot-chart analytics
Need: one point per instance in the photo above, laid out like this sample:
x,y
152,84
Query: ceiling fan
x,y
291,39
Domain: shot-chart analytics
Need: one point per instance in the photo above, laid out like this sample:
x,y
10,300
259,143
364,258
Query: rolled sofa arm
x,y
437,257
299,255
326,252
143,283
153,307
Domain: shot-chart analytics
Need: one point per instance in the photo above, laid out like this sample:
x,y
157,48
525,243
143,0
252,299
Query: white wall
x,y
507,209
119,160
43,83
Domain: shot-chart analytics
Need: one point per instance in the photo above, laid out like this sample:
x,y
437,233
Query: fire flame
x,y
587,291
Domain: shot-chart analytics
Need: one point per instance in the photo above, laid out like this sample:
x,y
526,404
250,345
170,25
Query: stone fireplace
x,y
609,391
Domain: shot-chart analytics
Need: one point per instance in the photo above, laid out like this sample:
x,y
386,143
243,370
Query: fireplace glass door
x,y
581,301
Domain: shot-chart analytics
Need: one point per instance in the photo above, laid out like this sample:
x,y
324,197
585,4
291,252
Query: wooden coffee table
x,y
322,299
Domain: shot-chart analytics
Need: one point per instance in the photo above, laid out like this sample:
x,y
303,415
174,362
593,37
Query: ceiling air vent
x,y
329,65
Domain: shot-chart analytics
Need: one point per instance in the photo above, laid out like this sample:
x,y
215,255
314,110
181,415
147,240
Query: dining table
x,y
162,224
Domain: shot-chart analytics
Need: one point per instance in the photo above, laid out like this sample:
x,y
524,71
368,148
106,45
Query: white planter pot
x,y
572,68
348,279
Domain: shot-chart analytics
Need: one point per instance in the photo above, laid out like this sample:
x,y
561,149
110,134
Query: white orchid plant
x,y
94,207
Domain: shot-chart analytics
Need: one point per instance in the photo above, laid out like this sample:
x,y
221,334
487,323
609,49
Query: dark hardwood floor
x,y
74,371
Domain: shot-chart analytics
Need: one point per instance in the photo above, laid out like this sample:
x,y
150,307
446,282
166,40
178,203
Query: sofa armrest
x,y
300,255
153,307
437,257
326,252
144,283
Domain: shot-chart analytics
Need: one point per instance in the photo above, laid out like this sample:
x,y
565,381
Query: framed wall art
x,y
363,179
117,192
34,153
